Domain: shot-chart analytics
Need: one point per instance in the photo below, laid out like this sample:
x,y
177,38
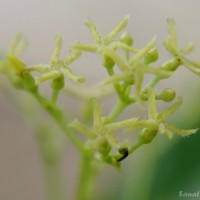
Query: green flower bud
x,y
151,56
144,95
104,146
171,65
166,95
58,83
23,78
127,39
147,135
28,82
18,65
107,62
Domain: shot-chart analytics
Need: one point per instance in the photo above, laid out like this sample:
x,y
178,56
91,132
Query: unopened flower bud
x,y
166,95
144,95
171,65
18,65
151,56
104,146
147,135
28,82
25,79
127,39
107,62
58,83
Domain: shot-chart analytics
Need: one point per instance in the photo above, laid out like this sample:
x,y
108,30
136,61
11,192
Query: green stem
x,y
135,146
54,96
117,109
126,55
115,85
86,179
60,119
51,163
153,82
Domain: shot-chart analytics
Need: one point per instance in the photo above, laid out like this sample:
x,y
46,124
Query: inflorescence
x,y
126,67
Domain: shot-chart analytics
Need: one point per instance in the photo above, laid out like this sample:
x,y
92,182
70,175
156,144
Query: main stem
x,y
86,179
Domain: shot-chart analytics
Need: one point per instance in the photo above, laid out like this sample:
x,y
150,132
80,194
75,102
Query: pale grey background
x,y
40,21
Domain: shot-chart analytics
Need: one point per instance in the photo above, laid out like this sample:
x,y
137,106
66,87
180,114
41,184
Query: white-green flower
x,y
57,67
171,45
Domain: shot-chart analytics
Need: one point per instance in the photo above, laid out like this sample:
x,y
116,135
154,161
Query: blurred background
x,y
156,171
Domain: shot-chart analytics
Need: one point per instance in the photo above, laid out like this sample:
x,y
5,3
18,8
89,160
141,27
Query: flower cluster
x,y
126,67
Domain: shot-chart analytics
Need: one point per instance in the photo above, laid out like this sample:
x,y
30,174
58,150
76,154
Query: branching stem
x,y
60,119
117,109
